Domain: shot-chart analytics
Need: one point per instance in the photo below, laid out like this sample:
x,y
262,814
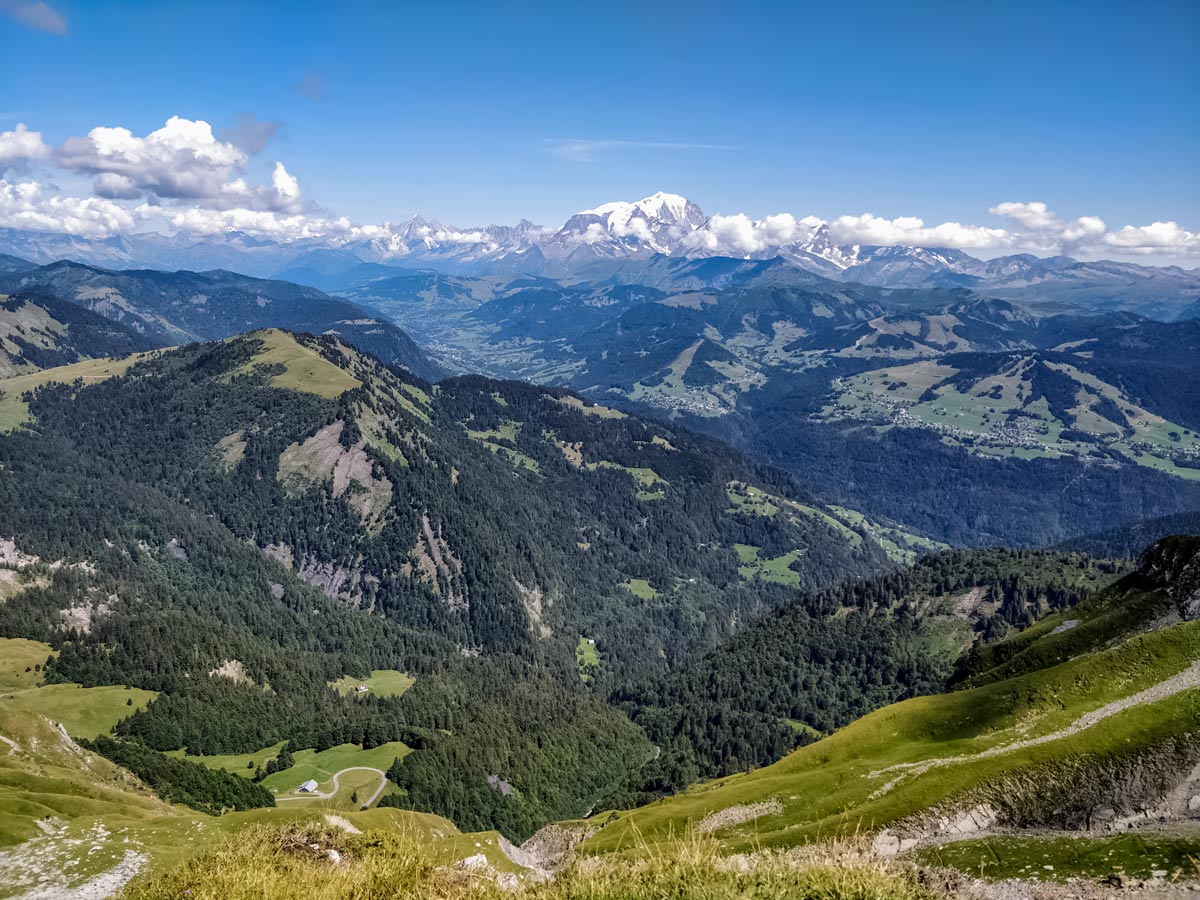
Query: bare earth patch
x,y
738,815
323,458
233,670
435,563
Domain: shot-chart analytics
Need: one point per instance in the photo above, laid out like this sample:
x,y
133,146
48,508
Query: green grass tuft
x,y
294,863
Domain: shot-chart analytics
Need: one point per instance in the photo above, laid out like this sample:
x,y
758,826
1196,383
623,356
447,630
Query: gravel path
x,y
328,794
1186,680
98,888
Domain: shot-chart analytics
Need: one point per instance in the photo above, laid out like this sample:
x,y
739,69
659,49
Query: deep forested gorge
x,y
832,656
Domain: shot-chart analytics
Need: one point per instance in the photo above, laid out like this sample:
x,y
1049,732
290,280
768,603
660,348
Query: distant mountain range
x,y
970,418
621,241
1017,400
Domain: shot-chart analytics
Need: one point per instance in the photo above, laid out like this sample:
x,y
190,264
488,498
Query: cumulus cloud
x,y
1154,238
265,223
20,147
28,205
1042,229
449,236
1031,215
39,16
181,161
739,235
287,188
909,230
1030,227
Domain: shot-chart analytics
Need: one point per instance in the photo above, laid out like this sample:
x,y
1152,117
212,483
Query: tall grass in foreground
x,y
296,863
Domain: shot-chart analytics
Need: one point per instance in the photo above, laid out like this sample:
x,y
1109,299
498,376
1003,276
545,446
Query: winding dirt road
x,y
326,795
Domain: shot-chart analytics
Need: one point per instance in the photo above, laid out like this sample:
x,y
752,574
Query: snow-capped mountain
x,y
654,224
909,266
618,241
817,253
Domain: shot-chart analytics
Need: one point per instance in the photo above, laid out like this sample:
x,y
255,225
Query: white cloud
x,y
183,160
180,160
266,223
27,205
286,186
739,235
1154,238
36,15
1033,227
20,147
1041,229
1031,215
185,177
448,236
909,230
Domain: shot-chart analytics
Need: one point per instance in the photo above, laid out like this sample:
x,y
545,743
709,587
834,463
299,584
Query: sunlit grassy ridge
x,y
839,784
904,759
83,712
67,815
14,411
45,777
18,659
1098,621
297,864
302,367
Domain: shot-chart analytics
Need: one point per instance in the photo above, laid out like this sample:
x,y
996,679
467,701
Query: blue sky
x,y
460,111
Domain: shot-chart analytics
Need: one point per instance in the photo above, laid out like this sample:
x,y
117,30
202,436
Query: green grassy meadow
x,y
304,369
380,683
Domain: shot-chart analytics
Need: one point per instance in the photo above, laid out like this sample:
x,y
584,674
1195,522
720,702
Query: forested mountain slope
x,y
169,308
1127,542
283,511
970,419
833,656
39,331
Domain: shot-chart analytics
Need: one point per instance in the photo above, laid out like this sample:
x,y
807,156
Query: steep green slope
x,y
1099,734
38,331
47,780
497,514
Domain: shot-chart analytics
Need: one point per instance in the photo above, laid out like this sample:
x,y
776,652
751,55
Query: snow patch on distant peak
x,y
668,208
